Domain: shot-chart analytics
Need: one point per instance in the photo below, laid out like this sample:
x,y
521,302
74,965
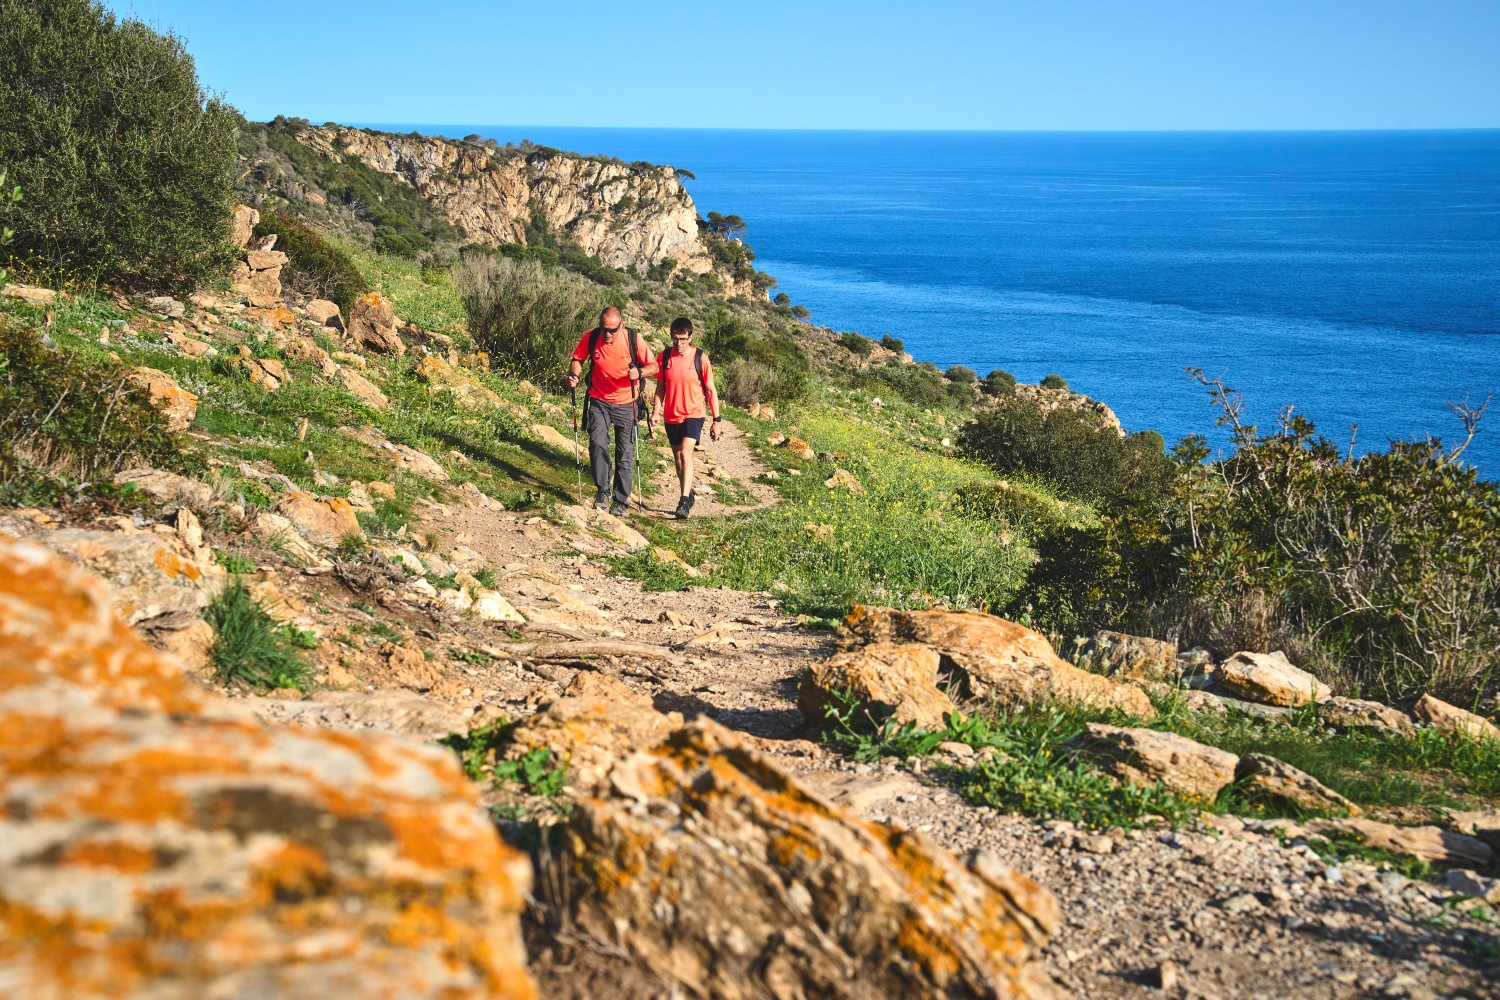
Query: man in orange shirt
x,y
618,360
685,396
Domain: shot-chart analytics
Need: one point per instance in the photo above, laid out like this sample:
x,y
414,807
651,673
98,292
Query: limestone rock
x,y
278,532
552,437
586,518
326,521
363,389
1428,843
671,558
165,305
267,374
1145,757
1352,713
1451,719
1277,779
167,487
597,720
1132,655
188,346
264,260
712,867
895,680
409,666
491,606
1270,679
466,391
993,658
372,322
1481,823
325,313
307,349
407,458
164,394
245,220
844,480
159,845
191,646
146,576
800,448
386,710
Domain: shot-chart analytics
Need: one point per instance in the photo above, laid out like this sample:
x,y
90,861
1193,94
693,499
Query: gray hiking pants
x,y
620,416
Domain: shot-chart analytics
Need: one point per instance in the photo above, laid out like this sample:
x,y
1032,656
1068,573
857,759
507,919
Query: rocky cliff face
x,y
625,214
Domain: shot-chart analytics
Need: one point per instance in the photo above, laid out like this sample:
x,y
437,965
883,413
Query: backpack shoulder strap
x,y
588,379
698,364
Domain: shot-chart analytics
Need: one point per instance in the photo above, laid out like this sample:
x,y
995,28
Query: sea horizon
x,y
1353,274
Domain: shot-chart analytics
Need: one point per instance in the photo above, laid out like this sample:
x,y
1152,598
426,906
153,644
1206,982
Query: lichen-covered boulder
x,y
993,658
718,872
1355,713
157,844
895,680
323,521
1454,721
372,322
1133,656
164,394
149,575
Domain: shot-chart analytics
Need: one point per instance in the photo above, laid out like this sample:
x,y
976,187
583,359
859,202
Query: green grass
x,y
252,648
425,299
732,493
898,542
653,574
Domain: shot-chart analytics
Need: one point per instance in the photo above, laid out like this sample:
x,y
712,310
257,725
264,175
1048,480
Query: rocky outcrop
x,y
1354,713
372,323
406,458
1267,777
149,575
466,391
323,521
257,274
1048,400
625,214
993,658
1451,719
164,394
1269,679
1149,757
887,680
1428,843
158,844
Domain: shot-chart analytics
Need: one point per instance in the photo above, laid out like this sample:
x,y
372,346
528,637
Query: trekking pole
x,y
635,442
577,454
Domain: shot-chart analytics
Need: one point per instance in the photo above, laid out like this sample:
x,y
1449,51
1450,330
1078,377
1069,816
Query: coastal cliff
x,y
627,215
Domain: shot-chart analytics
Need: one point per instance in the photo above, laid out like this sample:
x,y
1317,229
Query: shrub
x,y
250,647
1069,447
782,299
857,343
962,374
65,414
1054,381
1034,514
527,317
1000,383
125,160
893,344
801,311
390,240
315,268
917,384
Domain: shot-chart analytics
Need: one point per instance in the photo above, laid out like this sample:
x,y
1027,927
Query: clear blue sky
x,y
923,64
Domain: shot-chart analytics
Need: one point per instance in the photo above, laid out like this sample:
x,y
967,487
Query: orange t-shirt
x,y
683,395
610,379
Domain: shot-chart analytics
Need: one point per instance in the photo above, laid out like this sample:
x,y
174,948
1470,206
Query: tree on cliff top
x,y
125,160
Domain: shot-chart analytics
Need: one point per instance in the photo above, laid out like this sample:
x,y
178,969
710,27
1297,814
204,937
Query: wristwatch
x,y
718,420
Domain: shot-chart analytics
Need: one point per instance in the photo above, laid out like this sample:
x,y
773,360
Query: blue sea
x,y
1353,275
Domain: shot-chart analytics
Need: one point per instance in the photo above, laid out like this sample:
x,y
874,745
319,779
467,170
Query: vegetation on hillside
x,y
125,160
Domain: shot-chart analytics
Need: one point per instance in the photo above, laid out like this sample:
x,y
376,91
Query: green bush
x,y
1072,448
388,239
1033,513
893,344
857,343
782,299
125,160
528,318
801,312
1054,381
919,385
753,364
1000,383
62,414
315,268
962,374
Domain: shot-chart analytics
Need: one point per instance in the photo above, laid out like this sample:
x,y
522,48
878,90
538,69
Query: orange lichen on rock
x,y
718,871
159,845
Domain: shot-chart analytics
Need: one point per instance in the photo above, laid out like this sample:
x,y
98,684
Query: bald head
x,y
610,318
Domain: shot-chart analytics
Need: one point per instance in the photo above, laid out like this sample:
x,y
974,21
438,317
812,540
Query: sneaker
x,y
683,506
618,509
601,502
689,499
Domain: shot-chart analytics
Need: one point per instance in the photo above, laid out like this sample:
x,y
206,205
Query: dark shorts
x,y
692,427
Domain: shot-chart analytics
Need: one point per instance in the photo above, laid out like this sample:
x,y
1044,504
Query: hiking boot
x,y
689,500
619,509
601,502
683,506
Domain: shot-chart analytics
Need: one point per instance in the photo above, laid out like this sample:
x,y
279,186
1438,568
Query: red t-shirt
x,y
611,372
683,395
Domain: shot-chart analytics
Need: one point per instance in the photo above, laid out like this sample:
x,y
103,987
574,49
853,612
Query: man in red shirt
x,y
685,396
618,360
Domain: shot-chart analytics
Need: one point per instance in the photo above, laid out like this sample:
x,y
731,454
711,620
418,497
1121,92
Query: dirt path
x,y
725,471
1231,915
